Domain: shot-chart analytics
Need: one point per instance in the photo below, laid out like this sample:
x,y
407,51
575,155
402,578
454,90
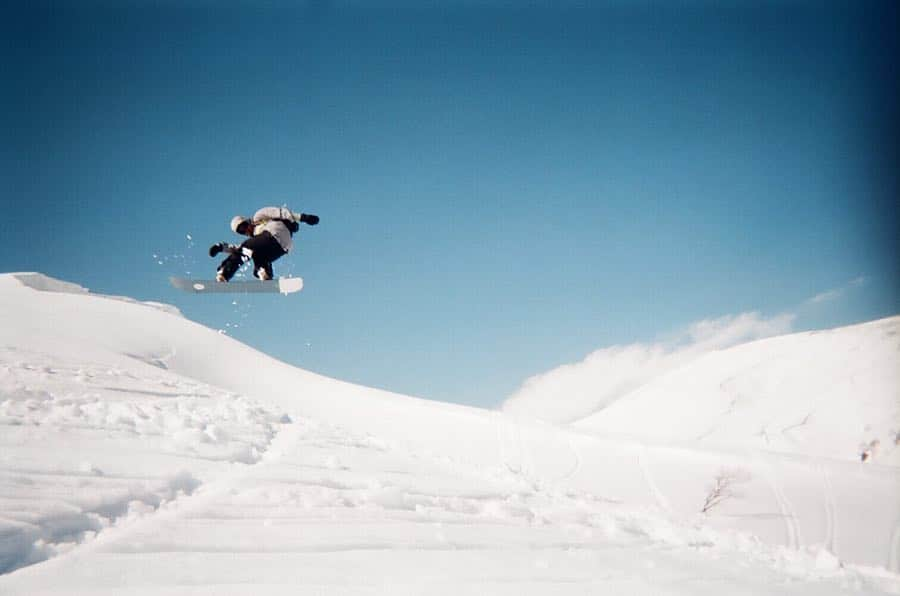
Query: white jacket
x,y
268,219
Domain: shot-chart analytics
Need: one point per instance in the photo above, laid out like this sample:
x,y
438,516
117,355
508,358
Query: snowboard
x,y
284,285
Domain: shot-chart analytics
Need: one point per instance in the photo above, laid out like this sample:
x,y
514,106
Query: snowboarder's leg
x,y
236,258
230,265
263,271
265,250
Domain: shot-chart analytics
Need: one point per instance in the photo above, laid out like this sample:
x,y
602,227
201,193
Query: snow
x,y
143,453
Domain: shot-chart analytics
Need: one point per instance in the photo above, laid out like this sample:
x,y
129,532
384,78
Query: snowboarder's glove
x,y
216,249
309,219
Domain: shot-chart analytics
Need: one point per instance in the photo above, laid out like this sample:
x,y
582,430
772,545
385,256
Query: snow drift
x,y
142,452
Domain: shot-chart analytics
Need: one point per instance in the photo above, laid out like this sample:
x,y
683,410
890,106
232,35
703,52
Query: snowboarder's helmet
x,y
236,222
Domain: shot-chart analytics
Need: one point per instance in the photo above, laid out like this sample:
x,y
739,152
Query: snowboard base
x,y
284,285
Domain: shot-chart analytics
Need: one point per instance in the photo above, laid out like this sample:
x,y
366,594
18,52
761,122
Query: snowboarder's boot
x,y
216,248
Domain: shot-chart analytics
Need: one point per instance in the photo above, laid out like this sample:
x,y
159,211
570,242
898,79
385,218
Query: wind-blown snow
x,y
573,391
143,453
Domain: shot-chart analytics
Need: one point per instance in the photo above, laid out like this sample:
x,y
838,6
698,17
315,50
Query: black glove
x,y
216,249
309,219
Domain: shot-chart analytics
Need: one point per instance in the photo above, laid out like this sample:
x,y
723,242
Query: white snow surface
x,y
142,453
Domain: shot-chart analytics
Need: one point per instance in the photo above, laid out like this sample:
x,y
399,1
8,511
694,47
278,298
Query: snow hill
x,y
832,393
142,453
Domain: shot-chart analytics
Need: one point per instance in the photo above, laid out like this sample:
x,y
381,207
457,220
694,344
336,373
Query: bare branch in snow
x,y
723,487
798,425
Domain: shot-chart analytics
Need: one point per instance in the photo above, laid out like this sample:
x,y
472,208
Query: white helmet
x,y
236,221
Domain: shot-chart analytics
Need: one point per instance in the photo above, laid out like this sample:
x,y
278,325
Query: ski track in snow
x,y
576,460
529,470
512,455
831,520
894,555
787,513
658,496
500,426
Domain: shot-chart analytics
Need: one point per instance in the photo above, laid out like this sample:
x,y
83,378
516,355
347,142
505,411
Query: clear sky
x,y
503,186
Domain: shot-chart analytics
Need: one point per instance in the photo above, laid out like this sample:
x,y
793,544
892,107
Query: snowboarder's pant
x,y
263,249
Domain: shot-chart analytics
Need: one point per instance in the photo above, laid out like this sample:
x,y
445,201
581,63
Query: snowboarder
x,y
270,232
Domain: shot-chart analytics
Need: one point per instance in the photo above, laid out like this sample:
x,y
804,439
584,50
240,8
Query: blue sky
x,y
503,188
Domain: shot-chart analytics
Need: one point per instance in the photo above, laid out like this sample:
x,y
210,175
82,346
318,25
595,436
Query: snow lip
x,y
45,283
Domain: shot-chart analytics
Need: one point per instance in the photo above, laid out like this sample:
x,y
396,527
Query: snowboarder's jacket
x,y
279,222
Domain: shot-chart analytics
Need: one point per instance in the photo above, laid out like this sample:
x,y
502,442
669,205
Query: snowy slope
x,y
143,453
832,393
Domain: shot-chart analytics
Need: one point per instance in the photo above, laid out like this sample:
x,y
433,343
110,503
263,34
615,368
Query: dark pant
x,y
263,249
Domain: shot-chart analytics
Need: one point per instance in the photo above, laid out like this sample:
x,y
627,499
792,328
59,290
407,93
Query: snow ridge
x,y
44,283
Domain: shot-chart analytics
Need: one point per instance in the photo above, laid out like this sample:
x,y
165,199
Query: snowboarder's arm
x,y
269,213
223,246
284,214
306,218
